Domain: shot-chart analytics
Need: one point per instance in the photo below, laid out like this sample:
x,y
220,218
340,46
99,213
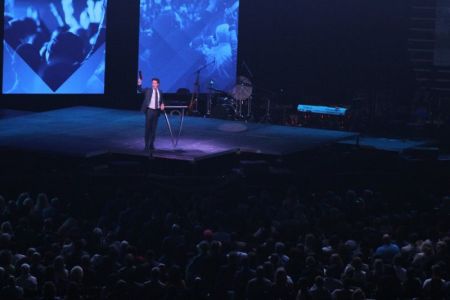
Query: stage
x,y
88,131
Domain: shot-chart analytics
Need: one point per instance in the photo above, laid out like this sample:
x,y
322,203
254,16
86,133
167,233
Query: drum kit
x,y
235,104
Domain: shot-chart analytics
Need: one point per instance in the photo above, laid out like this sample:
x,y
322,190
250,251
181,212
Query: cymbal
x,y
242,80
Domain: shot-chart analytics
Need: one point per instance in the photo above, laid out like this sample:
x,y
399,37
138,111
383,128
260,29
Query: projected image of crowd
x,y
53,37
199,32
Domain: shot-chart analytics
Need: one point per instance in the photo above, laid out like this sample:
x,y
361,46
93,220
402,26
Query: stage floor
x,y
88,131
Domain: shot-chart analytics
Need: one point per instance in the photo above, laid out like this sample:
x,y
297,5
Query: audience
x,y
264,247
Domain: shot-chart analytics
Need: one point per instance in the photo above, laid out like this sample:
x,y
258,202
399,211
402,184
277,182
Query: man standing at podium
x,y
152,104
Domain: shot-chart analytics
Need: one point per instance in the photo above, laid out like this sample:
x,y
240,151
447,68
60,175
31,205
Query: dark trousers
x,y
151,123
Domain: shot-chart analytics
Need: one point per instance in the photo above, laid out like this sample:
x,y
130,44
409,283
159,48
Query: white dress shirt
x,y
153,103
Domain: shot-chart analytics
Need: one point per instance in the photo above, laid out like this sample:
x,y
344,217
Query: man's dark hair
x,y
19,29
66,47
155,79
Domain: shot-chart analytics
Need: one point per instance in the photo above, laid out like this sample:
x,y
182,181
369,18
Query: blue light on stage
x,y
177,38
54,47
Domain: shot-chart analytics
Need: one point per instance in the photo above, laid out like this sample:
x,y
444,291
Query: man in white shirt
x,y
151,106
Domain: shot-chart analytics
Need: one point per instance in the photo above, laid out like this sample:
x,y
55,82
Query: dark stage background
x,y
317,50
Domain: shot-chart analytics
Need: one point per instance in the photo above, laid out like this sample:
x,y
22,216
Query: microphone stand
x,y
193,105
249,100
209,101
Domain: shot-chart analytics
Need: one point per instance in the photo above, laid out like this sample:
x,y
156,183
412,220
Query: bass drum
x,y
243,89
224,108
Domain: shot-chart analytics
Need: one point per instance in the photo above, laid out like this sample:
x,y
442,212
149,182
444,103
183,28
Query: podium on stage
x,y
175,110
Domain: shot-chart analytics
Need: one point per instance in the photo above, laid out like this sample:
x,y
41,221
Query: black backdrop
x,y
310,49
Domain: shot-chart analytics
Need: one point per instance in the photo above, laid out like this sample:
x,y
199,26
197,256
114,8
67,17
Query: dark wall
x,y
326,49
312,49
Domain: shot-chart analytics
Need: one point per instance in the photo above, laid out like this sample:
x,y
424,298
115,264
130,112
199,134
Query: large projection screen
x,y
180,39
54,46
